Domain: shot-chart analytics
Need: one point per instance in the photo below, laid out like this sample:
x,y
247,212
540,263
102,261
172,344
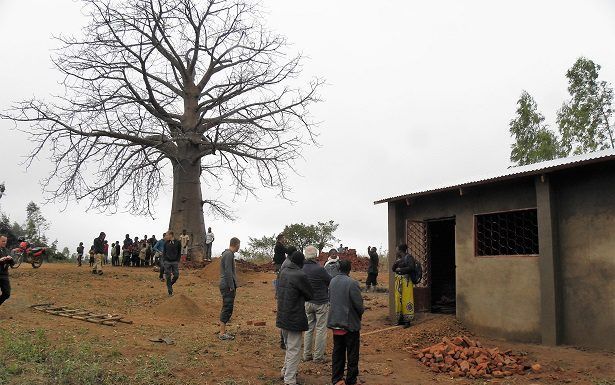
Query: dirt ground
x,y
125,353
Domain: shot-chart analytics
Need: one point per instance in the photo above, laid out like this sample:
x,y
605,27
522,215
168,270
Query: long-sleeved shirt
x,y
171,251
99,246
228,278
159,246
373,262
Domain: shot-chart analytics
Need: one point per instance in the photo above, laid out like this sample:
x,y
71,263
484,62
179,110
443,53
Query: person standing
x,y
228,286
332,266
106,247
79,254
126,250
99,253
345,320
404,267
185,241
91,254
279,252
293,290
316,309
158,251
171,255
372,270
5,262
209,240
117,252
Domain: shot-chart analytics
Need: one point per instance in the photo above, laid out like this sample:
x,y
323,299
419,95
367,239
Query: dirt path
x,y
198,357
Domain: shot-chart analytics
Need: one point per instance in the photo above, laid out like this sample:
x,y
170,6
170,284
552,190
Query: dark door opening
x,y
441,246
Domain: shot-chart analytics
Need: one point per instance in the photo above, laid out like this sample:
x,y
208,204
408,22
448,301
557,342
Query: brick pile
x,y
463,357
358,263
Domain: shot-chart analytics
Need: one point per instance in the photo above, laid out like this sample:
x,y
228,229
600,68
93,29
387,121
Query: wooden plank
x,y
381,330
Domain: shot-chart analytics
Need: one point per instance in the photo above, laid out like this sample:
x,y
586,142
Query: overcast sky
x,y
419,94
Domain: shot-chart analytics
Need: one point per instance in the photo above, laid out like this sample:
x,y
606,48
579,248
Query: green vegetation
x,y
32,359
585,121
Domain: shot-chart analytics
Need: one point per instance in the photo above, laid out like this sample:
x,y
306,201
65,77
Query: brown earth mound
x,y
178,306
211,272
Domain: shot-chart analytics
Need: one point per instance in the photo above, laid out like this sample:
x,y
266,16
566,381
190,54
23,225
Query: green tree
x,y
324,234
301,235
320,235
534,142
36,225
259,249
585,120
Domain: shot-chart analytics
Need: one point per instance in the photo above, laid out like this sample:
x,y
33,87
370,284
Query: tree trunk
x,y
187,209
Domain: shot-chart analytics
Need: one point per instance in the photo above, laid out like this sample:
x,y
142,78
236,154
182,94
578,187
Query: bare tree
x,y
200,86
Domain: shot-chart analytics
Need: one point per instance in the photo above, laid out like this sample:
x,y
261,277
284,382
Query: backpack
x,y
416,274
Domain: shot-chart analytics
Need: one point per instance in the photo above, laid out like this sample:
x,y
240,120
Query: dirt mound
x,y
245,266
178,306
432,329
463,357
211,272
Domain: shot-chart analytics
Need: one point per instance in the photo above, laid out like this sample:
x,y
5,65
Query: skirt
x,y
404,299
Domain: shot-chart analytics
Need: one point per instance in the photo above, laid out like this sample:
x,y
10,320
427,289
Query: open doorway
x,y
441,246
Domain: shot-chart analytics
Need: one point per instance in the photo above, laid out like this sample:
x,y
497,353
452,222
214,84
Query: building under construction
x,y
527,255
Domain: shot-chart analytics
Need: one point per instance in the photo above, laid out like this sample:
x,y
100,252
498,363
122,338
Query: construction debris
x,y
81,314
463,357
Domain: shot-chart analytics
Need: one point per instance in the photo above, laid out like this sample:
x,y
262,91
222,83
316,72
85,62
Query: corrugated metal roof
x,y
516,172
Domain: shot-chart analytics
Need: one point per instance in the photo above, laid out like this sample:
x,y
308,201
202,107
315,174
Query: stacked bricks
x,y
463,357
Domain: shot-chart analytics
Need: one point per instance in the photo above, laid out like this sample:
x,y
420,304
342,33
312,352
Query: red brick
x,y
260,323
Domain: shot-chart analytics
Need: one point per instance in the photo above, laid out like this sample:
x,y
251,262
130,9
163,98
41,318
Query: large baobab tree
x,y
199,87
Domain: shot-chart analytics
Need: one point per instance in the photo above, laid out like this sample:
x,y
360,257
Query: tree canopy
x,y
585,122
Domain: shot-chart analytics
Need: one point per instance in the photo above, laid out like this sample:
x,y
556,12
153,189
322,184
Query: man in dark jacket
x,y
345,320
316,309
80,253
5,261
171,255
279,252
372,270
293,290
228,286
99,254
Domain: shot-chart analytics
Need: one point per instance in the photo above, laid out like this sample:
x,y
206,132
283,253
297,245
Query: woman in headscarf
x,y
404,294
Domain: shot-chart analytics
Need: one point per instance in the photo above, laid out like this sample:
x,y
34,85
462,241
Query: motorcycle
x,y
25,253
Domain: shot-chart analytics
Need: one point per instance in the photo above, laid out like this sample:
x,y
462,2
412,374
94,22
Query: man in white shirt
x,y
209,240
184,239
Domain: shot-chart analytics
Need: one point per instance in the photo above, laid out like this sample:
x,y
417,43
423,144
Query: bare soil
x,y
190,318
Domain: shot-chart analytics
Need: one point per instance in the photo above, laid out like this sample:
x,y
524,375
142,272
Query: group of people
x,y
311,299
137,252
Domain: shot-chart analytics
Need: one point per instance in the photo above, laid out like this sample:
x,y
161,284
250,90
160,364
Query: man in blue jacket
x,y
158,251
345,321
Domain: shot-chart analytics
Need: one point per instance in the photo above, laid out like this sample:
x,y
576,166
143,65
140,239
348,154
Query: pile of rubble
x,y
358,263
463,357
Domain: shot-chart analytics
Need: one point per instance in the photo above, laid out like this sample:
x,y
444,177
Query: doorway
x,y
441,246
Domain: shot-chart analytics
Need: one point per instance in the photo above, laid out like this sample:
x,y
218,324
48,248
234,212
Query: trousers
x,y
171,270
315,339
345,351
293,342
5,288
